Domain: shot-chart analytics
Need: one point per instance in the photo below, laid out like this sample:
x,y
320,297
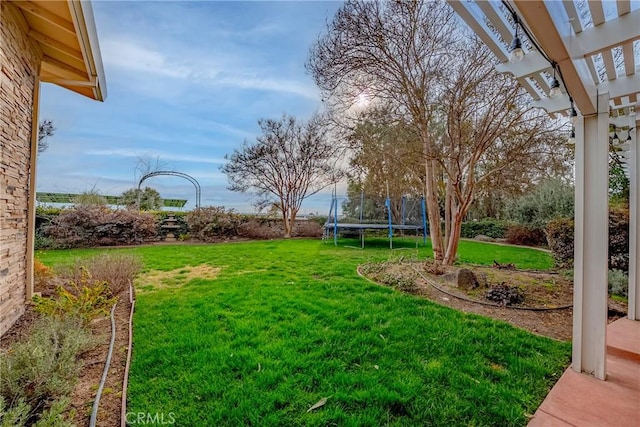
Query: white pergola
x,y
595,46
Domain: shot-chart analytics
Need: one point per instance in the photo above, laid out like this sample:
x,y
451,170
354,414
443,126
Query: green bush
x,y
15,415
618,283
525,235
43,242
43,367
488,227
551,199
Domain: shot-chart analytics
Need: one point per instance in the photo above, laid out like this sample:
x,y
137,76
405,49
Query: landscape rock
x,y
483,238
466,279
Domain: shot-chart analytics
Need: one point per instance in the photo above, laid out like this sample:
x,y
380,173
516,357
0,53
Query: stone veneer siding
x,y
19,60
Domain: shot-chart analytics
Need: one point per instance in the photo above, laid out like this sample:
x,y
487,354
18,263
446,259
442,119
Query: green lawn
x,y
286,323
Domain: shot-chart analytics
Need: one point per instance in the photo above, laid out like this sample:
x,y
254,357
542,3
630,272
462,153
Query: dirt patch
x,y
156,279
542,290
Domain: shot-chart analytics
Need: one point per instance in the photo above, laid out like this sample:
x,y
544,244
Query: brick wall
x,y
19,61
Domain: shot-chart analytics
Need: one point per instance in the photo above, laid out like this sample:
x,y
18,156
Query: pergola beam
x,y
532,63
554,39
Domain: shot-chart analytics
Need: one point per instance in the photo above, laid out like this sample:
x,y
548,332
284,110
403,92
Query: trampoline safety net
x,y
353,216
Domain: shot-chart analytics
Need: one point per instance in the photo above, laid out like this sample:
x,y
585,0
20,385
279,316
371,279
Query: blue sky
x,y
187,82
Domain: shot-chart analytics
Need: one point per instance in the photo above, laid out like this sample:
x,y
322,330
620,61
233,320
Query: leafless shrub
x,y
116,269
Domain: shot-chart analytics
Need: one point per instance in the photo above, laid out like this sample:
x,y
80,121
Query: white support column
x,y
634,226
590,291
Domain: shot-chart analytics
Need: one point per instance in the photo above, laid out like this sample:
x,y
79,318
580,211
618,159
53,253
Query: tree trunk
x,y
448,210
433,210
454,239
286,221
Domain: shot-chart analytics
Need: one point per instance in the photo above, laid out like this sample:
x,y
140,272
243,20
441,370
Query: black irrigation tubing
x,y
432,283
125,382
96,402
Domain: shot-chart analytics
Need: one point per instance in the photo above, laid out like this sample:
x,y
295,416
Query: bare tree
x,y
45,130
289,162
472,123
395,52
491,129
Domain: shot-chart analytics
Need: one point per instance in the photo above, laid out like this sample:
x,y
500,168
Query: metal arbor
x,y
191,179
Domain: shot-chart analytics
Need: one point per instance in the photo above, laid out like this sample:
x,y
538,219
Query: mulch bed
x,y
542,289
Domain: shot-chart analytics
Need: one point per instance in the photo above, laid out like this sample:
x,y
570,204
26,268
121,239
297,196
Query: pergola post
x,y
591,236
634,227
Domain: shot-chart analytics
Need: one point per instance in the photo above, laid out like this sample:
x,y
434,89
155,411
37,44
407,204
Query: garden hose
x,y
125,381
96,402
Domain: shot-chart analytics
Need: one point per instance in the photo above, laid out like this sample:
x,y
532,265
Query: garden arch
x,y
189,178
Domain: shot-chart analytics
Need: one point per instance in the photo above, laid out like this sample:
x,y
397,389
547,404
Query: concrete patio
x,y
581,400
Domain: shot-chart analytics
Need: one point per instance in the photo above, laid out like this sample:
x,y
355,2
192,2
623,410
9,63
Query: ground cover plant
x,y
275,327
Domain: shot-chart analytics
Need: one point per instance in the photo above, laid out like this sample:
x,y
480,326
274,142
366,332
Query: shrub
x,y
619,238
259,228
41,274
618,283
505,295
42,242
211,223
15,415
488,227
115,269
525,235
44,366
401,283
307,228
86,299
560,238
91,225
551,199
560,235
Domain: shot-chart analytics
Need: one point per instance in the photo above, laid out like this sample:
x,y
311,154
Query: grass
x,y
286,323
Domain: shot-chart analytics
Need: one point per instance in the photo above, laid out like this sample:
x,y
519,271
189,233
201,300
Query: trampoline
x,y
409,215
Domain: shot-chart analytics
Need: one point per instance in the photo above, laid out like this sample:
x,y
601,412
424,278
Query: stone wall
x,y
19,60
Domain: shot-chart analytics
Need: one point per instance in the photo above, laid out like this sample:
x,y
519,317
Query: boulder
x,y
466,279
483,238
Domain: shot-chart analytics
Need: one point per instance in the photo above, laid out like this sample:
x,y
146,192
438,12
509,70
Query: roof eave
x,y
84,22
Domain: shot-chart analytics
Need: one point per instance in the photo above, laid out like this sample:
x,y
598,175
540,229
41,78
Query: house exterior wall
x,y
19,62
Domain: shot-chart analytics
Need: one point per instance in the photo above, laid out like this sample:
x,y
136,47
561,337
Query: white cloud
x,y
198,68
271,84
163,155
128,55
